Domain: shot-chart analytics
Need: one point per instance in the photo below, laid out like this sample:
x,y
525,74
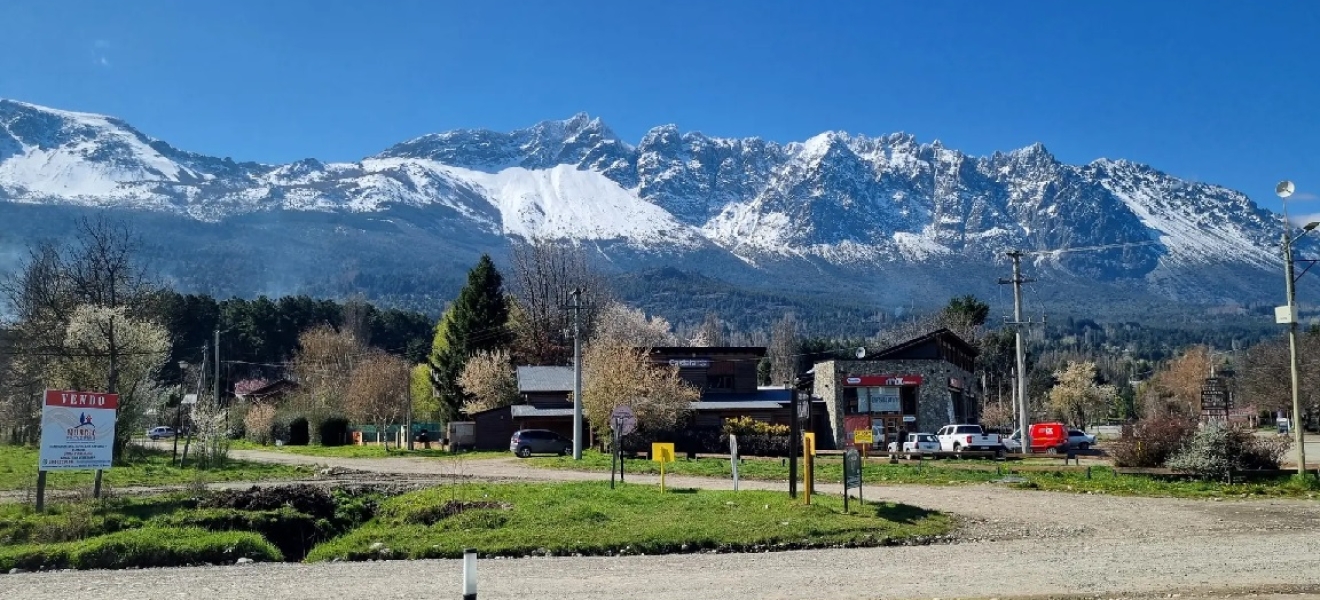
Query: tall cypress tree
x,y
478,320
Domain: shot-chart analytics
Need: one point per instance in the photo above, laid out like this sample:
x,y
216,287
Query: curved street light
x,y
1287,315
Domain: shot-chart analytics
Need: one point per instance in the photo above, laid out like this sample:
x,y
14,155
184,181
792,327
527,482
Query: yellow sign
x,y
662,453
863,436
808,444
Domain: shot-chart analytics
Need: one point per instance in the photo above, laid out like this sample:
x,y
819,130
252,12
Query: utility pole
x,y
1289,312
1299,437
1024,420
577,373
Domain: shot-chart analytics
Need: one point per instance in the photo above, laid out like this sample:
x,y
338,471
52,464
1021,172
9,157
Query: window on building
x,y
885,399
850,400
719,382
909,396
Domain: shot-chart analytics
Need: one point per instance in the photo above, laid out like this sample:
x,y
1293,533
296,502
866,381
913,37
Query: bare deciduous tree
x,y
710,334
1176,389
783,350
1077,398
378,391
545,273
324,367
1265,380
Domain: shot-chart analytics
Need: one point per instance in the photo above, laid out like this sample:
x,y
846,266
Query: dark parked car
x,y
526,442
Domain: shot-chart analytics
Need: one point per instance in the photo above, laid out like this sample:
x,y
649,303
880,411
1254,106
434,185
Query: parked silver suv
x,y
526,442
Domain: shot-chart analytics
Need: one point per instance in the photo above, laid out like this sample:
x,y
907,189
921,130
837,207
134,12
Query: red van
x,y
1050,438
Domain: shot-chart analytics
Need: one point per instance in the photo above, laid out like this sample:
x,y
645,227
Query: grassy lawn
x,y
954,472
591,519
180,528
18,471
368,451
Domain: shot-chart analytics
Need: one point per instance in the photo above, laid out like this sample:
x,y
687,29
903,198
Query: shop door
x,y
885,429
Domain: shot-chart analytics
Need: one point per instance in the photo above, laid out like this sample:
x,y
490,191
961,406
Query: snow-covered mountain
x,y
835,208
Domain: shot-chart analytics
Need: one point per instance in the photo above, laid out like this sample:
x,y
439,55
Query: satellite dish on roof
x,y
860,353
1285,189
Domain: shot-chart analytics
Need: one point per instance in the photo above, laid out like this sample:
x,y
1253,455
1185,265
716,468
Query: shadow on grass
x,y
680,490
902,513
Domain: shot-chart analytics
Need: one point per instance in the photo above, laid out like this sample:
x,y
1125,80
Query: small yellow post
x,y
662,453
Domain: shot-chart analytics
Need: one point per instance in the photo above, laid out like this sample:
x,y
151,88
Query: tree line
x,y
85,313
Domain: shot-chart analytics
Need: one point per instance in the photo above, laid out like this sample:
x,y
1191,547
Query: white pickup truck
x,y
957,438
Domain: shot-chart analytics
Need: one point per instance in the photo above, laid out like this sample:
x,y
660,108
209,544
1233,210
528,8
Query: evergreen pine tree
x,y
478,320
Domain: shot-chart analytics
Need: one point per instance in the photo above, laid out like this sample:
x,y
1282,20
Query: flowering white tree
x,y
630,326
100,339
489,379
616,374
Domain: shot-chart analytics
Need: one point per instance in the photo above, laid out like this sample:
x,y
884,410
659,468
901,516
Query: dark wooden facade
x,y
716,371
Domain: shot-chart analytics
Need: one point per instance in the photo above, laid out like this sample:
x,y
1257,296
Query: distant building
x,y
917,386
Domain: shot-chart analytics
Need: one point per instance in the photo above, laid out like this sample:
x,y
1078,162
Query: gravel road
x,y
1016,543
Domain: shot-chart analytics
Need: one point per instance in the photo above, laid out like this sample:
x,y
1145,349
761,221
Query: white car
x,y
156,433
917,444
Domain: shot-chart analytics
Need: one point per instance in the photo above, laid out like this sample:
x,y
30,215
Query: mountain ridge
x,y
863,205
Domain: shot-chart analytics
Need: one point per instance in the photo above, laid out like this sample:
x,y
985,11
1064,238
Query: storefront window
x,y
885,399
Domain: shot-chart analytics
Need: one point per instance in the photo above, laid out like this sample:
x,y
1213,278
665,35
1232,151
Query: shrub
x,y
1151,441
300,432
1216,450
279,429
143,548
333,431
260,423
748,426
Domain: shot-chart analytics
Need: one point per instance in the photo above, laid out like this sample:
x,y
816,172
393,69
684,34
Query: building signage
x,y
690,363
884,399
882,380
77,430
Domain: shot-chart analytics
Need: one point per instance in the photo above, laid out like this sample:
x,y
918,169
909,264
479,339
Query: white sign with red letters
x,y
77,430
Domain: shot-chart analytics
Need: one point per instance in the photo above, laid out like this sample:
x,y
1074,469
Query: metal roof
x,y
744,405
545,379
526,410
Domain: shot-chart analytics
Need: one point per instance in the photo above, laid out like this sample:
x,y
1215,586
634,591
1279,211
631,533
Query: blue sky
x,y
1223,92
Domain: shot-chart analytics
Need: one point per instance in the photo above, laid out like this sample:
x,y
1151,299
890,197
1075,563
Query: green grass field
x,y
368,451
18,471
591,519
953,472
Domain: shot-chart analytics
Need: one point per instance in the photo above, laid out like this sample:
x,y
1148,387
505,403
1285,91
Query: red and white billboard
x,y
881,380
77,430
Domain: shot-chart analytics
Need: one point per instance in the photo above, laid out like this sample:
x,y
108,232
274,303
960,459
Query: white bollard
x,y
470,574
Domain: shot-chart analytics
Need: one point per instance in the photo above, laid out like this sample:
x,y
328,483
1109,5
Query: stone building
x,y
917,386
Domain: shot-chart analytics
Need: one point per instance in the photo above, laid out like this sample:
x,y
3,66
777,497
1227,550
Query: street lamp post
x,y
1288,315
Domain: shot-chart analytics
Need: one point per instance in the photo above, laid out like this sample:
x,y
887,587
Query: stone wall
x,y
933,399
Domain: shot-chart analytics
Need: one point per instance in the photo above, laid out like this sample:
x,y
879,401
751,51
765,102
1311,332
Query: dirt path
x,y
1014,543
